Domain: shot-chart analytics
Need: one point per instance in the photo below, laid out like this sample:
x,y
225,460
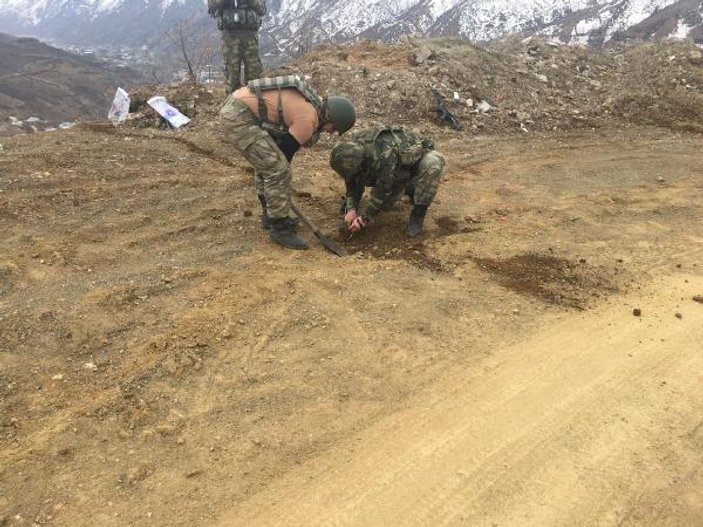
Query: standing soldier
x,y
239,21
267,121
390,160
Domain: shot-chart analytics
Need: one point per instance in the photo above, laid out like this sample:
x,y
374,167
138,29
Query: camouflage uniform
x,y
272,175
389,171
240,47
239,21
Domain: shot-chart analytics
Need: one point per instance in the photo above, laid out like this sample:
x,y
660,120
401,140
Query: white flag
x,y
120,106
168,112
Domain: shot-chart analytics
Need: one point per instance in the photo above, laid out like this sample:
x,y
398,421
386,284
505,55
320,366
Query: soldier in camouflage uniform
x,y
390,160
239,21
267,121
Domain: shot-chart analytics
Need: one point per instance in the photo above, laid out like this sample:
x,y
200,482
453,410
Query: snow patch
x,y
682,30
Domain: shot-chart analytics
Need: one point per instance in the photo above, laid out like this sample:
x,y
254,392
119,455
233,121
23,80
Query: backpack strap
x,y
279,108
263,113
258,86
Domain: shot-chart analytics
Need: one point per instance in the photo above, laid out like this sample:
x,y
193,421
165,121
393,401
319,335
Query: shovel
x,y
329,244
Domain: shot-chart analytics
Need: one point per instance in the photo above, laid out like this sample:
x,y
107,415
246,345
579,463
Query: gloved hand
x,y
357,224
350,216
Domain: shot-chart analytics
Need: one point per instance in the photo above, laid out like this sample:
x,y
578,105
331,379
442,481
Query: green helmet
x,y
346,158
340,111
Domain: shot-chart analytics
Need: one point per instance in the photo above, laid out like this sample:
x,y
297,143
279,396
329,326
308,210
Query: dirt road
x,y
162,363
595,419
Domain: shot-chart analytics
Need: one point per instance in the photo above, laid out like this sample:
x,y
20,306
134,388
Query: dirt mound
x,y
513,86
660,84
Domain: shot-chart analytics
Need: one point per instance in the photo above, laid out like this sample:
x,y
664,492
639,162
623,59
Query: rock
x,y
136,474
422,55
390,84
698,298
637,312
483,107
166,430
678,315
542,78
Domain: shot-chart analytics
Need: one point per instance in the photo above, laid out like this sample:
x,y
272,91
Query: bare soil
x,y
532,359
163,362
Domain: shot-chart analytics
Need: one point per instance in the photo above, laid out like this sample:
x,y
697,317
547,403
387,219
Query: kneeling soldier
x,y
390,160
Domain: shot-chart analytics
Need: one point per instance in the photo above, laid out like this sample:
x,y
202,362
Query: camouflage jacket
x,y
237,15
391,156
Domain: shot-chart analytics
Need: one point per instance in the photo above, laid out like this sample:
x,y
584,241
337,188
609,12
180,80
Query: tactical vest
x,y
409,146
241,15
279,129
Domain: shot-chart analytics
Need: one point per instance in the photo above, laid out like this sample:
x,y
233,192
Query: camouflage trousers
x,y
272,175
240,47
422,183
429,174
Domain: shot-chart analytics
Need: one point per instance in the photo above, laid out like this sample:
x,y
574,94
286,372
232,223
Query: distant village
x,y
154,66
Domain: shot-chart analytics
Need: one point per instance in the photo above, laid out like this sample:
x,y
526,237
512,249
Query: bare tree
x,y
195,44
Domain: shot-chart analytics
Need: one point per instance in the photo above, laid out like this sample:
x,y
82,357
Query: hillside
x,y
293,27
532,359
512,86
40,81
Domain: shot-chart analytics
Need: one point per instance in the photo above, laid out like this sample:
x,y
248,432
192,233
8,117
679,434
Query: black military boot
x,y
417,217
282,233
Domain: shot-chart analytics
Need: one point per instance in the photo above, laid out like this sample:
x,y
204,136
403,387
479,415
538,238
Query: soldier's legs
x,y
425,184
250,55
272,170
429,174
240,128
231,59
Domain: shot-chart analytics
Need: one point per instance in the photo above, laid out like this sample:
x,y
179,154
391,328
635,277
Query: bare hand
x,y
350,216
357,224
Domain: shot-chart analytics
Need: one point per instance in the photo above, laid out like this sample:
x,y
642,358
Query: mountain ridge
x,y
103,22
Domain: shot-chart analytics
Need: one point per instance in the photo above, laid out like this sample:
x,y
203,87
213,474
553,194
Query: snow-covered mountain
x,y
296,24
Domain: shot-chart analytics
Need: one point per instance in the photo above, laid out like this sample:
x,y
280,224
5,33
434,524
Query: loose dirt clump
x,y
387,240
556,281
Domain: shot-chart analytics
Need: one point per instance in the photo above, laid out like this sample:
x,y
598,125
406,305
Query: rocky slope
x,y
519,86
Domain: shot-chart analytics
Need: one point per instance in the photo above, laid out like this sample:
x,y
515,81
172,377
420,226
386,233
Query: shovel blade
x,y
331,245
